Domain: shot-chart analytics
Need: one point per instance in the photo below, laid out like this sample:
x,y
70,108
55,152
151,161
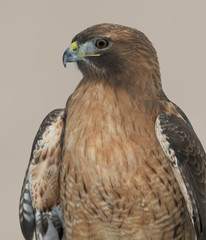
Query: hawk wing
x,y
188,160
39,209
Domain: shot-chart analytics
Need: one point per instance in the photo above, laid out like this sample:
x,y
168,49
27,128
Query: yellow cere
x,y
74,47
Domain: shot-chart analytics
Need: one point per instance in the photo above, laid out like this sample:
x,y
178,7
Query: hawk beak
x,y
69,56
73,54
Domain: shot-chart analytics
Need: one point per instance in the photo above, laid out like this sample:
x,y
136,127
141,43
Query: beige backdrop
x,y
33,81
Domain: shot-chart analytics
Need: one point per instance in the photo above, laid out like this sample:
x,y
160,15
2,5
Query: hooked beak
x,y
74,54
69,56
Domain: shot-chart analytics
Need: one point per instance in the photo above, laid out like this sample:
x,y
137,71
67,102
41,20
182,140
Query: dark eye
x,y
102,43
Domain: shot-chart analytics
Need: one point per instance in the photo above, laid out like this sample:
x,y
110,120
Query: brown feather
x,y
111,147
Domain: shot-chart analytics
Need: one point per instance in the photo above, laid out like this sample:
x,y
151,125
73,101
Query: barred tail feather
x,y
26,213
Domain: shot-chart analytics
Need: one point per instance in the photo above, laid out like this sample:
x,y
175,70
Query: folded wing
x,y
188,160
39,209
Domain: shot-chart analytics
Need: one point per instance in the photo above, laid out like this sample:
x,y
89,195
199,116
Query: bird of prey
x,y
120,161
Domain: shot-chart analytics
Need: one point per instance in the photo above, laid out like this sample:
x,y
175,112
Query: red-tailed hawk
x,y
120,161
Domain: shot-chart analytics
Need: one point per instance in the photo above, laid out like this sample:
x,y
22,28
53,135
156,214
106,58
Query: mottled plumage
x,y
39,211
121,161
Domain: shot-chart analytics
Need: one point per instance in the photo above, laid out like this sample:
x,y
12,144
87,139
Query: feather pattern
x,y
40,210
188,161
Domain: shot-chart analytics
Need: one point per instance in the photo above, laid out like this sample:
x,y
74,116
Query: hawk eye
x,y
102,43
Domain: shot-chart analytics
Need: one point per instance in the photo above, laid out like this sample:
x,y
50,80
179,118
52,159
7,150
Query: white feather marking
x,y
50,137
26,206
170,153
51,232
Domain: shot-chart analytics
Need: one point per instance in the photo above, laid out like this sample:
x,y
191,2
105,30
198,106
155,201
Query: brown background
x,y
33,81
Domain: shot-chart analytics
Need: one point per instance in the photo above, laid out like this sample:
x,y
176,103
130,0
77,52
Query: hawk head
x,y
111,50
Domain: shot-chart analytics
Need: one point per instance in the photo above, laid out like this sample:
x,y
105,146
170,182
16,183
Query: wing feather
x,y
188,160
39,209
